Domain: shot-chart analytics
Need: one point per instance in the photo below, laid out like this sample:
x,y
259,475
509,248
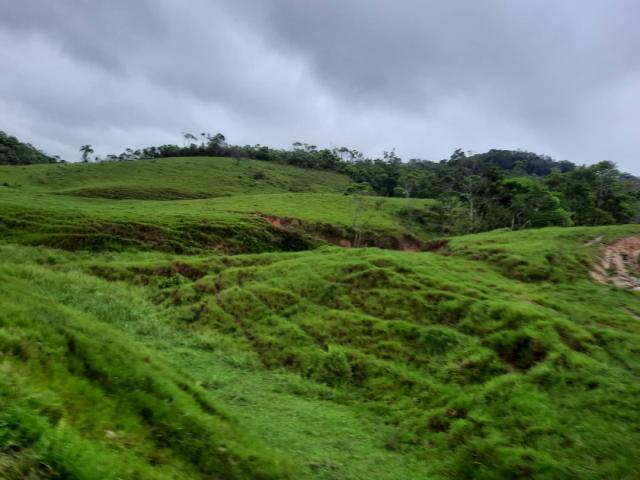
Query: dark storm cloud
x,y
426,77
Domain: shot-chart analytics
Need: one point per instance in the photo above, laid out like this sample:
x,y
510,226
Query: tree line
x,y
474,192
496,189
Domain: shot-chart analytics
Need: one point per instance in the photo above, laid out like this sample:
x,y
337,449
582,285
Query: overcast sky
x,y
555,77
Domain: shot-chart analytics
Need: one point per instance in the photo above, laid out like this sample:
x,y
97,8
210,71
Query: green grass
x,y
171,178
142,349
434,366
78,399
378,213
188,205
546,254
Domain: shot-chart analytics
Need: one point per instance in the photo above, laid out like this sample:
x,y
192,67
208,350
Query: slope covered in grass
x,y
191,204
481,375
192,322
78,399
172,178
498,358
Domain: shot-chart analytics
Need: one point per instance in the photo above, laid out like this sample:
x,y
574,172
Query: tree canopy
x,y
14,152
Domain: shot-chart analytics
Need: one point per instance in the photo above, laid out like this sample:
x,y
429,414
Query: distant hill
x,y
14,152
631,179
174,178
528,162
196,203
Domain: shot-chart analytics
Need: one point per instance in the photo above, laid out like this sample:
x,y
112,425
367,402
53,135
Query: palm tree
x,y
86,151
188,137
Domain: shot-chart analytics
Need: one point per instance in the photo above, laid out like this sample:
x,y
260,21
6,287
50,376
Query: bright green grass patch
x,y
555,254
281,408
376,213
232,224
191,177
190,204
80,400
480,376
435,366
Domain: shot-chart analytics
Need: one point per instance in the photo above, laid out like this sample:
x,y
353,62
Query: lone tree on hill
x,y
86,151
358,191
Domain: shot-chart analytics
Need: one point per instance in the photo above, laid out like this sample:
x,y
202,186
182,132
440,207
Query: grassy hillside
x,y
222,206
172,178
144,349
435,366
78,399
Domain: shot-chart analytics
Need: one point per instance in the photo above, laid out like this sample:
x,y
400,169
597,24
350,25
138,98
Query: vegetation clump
x,y
14,152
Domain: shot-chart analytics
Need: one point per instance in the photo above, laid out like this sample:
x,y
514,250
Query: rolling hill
x,y
222,205
203,324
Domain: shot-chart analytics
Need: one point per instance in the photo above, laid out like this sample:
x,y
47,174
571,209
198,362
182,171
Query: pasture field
x,y
132,345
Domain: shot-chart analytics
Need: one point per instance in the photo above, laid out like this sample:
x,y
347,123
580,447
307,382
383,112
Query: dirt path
x,y
620,264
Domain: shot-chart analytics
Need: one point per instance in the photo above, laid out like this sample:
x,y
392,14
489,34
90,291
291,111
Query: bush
x,y
334,368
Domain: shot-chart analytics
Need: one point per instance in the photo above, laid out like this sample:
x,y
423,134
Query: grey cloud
x,y
414,52
424,76
99,33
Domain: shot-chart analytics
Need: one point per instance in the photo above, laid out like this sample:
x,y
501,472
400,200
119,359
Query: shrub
x,y
334,368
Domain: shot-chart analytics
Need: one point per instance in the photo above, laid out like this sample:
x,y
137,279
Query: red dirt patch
x,y
619,264
347,238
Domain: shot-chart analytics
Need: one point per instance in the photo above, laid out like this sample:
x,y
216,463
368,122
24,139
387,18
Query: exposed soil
x,y
348,238
619,264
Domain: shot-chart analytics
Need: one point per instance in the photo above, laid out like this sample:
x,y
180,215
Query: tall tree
x,y
86,150
525,202
188,138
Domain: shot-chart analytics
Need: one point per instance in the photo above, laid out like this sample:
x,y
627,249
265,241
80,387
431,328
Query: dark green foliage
x,y
14,152
334,368
495,195
523,202
524,162
597,195
447,217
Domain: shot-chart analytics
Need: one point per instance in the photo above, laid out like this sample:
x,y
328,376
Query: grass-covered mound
x,y
78,399
193,177
496,358
482,376
194,204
